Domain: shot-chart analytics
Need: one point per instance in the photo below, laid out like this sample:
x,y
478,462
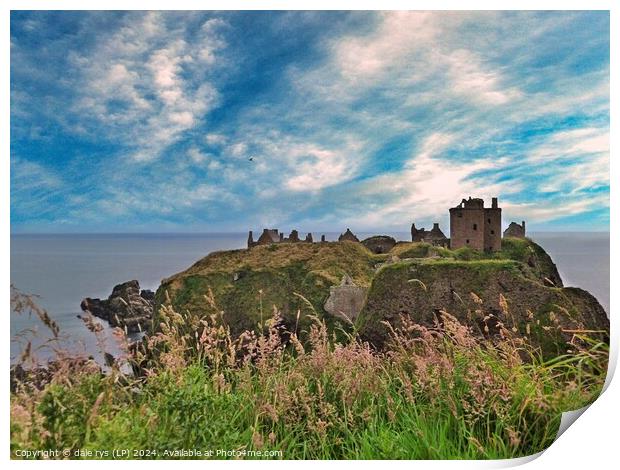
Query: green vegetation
x,y
535,260
248,282
433,393
241,356
479,293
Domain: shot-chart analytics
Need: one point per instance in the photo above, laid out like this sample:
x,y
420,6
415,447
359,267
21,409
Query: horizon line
x,y
246,232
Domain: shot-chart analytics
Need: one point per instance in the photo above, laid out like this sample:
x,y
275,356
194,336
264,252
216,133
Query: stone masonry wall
x,y
467,228
493,229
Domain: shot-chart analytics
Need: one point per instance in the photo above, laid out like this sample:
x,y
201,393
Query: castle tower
x,y
250,240
476,226
493,227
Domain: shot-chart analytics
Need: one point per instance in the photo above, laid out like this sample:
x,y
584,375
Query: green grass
x,y
219,372
248,283
447,397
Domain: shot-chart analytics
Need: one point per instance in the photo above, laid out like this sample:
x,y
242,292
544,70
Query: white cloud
x,y
427,186
566,144
215,139
398,37
204,159
32,187
469,77
408,49
140,84
239,149
317,168
553,209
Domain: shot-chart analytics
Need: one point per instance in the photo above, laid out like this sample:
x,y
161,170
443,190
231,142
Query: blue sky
x,y
144,121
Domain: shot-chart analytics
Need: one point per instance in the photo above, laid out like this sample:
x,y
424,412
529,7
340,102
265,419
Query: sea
x,y
61,269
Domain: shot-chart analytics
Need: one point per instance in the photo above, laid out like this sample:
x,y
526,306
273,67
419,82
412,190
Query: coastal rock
x,y
483,295
127,307
247,284
518,287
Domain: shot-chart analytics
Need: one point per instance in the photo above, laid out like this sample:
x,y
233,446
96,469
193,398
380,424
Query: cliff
x,y
246,284
519,288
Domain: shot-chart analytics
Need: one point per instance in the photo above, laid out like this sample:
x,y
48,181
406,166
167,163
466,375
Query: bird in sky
x,y
251,158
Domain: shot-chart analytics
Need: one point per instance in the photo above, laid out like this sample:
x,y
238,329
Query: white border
x,y
590,443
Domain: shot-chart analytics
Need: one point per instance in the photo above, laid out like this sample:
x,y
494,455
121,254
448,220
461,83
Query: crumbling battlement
x,y
434,236
515,230
471,225
273,235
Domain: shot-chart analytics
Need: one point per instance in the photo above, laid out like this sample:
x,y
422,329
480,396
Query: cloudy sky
x,y
145,121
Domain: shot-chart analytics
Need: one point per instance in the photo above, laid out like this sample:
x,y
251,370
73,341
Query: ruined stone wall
x,y
493,229
515,230
379,243
346,300
467,228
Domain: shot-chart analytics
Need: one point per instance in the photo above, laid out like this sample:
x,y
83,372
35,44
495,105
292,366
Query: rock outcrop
x,y
127,307
302,280
481,294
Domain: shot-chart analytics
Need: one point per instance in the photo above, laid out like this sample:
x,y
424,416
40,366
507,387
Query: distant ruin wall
x,y
379,244
346,300
515,230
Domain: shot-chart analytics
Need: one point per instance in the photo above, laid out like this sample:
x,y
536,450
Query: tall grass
x,y
432,393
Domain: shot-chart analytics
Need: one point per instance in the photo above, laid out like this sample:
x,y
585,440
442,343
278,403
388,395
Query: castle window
x,y
459,215
466,241
475,226
489,220
492,232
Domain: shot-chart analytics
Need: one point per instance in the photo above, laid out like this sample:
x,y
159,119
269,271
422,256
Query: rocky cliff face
x,y
518,287
247,284
481,294
127,307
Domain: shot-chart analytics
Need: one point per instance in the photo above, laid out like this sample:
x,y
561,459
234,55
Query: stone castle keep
x,y
476,226
471,225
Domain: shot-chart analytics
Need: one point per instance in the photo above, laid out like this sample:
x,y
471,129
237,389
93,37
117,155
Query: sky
x,y
230,121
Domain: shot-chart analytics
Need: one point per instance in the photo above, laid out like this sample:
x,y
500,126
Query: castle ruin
x,y
434,236
348,236
272,235
515,230
475,226
471,225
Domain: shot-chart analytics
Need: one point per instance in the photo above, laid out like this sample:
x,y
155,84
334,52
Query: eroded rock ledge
x,y
127,307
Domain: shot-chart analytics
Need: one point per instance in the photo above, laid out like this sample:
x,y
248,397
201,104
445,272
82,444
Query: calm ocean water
x,y
63,269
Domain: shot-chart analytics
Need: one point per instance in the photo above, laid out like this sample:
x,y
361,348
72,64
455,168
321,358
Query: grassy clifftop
x,y
489,295
247,284
414,279
536,260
